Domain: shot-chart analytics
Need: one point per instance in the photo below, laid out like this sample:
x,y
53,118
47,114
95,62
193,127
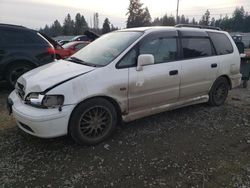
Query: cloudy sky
x,y
37,13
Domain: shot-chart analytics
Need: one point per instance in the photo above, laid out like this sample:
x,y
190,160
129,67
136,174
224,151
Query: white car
x,y
125,75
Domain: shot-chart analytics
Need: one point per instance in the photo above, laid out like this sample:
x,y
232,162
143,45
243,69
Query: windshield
x,y
106,48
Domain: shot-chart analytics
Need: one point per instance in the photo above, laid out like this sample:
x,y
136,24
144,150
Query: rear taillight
x,y
51,50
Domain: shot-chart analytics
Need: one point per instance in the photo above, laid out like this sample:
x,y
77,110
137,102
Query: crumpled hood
x,y
49,75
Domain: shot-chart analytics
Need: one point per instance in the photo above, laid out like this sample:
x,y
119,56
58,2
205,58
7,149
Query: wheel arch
x,y
110,99
228,80
18,61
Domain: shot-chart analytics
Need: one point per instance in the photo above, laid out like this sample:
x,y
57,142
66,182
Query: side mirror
x,y
144,59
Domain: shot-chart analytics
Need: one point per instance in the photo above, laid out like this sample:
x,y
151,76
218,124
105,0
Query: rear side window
x,y
221,43
196,47
17,37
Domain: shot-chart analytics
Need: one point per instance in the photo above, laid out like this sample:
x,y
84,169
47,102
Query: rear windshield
x,y
221,43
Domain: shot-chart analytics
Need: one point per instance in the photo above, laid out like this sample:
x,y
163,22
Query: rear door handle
x,y
214,65
173,72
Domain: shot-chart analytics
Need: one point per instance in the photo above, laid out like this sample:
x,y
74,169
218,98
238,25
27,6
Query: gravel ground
x,y
196,146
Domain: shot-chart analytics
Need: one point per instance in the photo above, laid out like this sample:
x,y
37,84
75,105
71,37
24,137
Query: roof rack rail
x,y
199,26
11,25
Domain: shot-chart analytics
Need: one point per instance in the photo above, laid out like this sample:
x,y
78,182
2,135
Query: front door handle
x,y
214,65
173,72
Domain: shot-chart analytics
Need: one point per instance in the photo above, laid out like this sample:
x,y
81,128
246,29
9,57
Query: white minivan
x,y
123,76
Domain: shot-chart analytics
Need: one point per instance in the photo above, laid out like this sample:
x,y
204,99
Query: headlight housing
x,y
44,101
53,101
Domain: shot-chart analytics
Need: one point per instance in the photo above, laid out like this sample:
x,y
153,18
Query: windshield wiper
x,y
79,61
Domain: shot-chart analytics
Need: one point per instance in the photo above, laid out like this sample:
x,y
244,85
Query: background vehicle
x,y
132,73
80,38
69,49
22,49
62,42
238,41
88,36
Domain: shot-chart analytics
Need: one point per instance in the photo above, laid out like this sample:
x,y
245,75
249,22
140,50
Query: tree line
x,y
76,26
139,16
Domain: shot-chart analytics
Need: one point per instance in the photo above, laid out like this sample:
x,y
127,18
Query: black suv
x,y
22,49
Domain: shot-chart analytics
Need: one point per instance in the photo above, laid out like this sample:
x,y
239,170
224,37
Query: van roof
x,y
167,28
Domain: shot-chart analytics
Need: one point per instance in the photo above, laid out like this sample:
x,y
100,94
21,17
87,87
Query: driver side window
x,y
163,49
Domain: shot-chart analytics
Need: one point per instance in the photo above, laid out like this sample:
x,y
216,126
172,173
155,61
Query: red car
x,y
69,49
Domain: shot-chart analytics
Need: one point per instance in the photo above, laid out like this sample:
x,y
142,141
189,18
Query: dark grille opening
x,y
26,127
20,86
20,90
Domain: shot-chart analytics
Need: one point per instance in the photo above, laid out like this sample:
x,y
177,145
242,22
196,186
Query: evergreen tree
x,y
226,23
168,20
182,20
80,24
146,17
157,22
205,20
137,15
68,26
85,24
212,23
194,22
247,23
165,20
113,28
56,29
106,26
238,19
46,30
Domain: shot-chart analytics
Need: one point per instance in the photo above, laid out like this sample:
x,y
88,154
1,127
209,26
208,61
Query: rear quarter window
x,y
196,47
21,37
221,43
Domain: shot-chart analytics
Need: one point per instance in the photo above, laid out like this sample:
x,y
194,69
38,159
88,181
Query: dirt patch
x,y
196,146
6,121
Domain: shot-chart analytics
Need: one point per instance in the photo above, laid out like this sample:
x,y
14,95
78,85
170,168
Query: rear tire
x,y
219,92
93,121
15,71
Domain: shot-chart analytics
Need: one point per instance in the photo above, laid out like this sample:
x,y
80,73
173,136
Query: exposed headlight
x,y
45,101
34,99
52,101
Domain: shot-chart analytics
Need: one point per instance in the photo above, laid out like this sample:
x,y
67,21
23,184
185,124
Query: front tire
x,y
15,71
219,92
93,121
